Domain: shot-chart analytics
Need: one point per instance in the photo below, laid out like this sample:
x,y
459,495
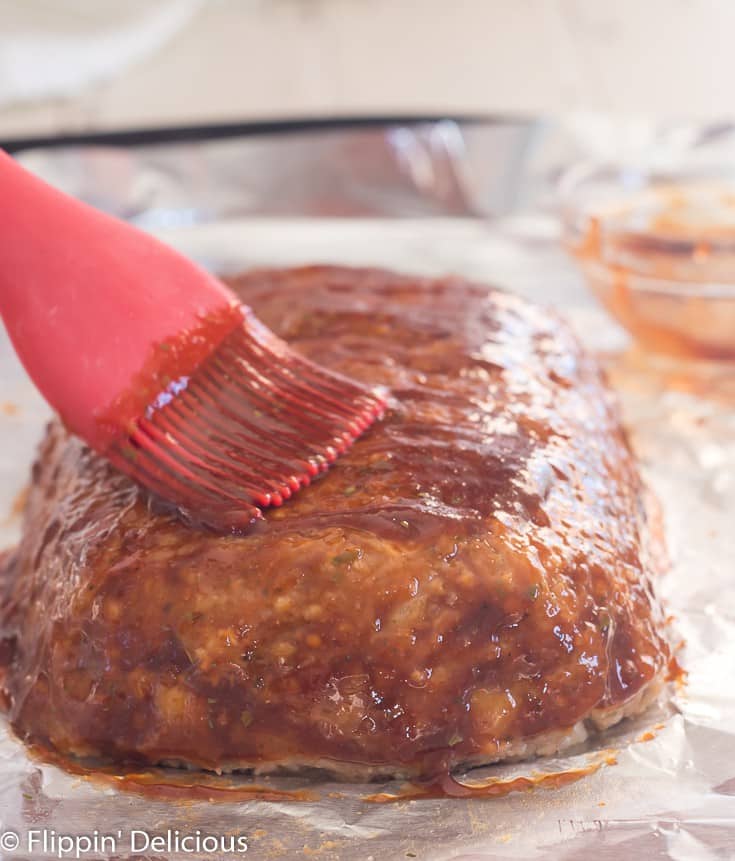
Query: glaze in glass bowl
x,y
659,252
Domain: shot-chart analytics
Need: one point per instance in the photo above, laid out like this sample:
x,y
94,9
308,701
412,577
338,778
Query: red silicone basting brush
x,y
158,366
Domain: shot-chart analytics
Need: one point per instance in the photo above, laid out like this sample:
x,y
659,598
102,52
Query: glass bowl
x,y
659,252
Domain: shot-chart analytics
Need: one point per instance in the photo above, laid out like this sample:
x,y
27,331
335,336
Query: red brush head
x,y
253,424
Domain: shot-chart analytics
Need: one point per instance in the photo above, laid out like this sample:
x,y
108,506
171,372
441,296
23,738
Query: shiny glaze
x,y
475,573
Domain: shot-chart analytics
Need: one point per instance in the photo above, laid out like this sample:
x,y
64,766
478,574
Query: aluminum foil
x,y
671,793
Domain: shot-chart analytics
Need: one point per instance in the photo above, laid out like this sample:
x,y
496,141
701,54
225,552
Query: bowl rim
x,y
642,283
577,217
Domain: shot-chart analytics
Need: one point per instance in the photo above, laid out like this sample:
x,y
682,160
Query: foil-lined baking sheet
x,y
665,787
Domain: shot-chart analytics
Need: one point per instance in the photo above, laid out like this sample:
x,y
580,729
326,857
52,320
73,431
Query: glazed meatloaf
x,y
472,581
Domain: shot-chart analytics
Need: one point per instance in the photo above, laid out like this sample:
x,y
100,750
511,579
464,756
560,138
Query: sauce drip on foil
x,y
191,786
447,786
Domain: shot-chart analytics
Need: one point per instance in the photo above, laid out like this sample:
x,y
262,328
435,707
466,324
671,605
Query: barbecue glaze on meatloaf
x,y
472,581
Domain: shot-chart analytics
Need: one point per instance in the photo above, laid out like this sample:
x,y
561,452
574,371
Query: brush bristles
x,y
252,425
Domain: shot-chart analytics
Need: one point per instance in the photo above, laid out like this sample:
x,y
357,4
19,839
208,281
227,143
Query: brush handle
x,y
86,297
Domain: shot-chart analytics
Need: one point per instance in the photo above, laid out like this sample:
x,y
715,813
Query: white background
x,y
72,65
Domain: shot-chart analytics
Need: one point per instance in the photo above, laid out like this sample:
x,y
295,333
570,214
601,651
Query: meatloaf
x,y
472,581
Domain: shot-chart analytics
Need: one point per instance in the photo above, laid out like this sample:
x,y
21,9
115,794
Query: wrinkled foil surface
x,y
477,201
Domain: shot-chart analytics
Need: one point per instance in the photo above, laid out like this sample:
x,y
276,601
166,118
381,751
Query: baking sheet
x,y
669,797
673,796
